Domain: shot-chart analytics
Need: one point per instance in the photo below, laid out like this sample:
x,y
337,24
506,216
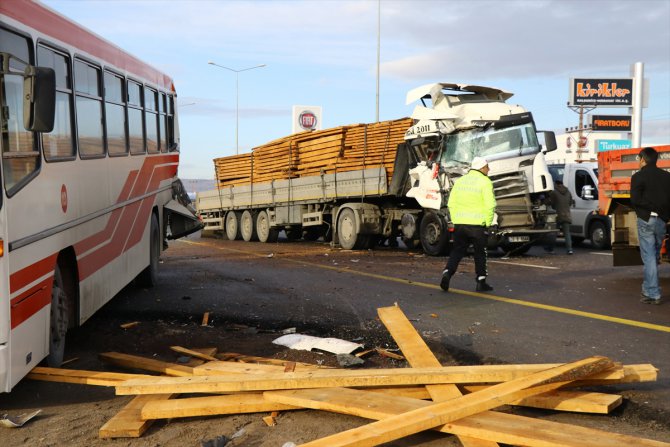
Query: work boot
x,y
446,277
482,286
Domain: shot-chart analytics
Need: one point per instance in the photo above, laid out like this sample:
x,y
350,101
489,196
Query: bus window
x,y
135,118
170,123
58,144
162,122
89,110
151,119
115,115
20,158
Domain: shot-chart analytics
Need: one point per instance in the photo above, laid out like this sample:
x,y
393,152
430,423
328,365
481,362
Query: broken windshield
x,y
490,143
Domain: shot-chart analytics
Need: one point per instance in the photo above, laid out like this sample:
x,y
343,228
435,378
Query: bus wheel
x,y
265,232
434,235
599,235
248,227
347,231
58,320
233,225
149,276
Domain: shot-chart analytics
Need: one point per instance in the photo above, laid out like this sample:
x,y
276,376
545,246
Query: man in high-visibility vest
x,y
471,208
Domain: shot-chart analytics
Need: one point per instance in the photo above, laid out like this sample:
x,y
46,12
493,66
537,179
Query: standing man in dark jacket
x,y
561,200
650,197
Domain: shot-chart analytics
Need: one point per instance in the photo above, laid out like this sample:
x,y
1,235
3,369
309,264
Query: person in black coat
x,y
650,197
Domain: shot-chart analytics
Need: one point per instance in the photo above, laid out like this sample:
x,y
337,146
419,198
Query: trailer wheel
x,y
434,235
600,238
263,229
347,232
248,227
233,225
59,319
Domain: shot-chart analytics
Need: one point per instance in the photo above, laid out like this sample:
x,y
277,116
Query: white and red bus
x,y
89,156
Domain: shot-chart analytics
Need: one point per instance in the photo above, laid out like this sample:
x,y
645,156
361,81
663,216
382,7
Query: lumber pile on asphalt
x,y
455,400
338,149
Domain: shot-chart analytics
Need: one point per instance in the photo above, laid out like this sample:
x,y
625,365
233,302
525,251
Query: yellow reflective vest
x,y
471,200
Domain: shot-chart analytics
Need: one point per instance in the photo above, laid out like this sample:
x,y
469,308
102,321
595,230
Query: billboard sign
x,y
601,92
617,123
610,145
306,118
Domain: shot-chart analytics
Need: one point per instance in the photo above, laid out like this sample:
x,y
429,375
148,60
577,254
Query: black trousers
x,y
464,235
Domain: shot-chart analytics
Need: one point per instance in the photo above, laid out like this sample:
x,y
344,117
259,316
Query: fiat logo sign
x,y
307,120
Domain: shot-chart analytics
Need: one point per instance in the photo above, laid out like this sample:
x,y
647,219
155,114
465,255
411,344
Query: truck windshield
x,y
461,147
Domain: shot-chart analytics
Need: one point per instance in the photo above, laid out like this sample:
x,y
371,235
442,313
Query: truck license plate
x,y
519,238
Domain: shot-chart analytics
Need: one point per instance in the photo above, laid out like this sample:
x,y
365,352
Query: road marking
x,y
523,265
548,307
600,254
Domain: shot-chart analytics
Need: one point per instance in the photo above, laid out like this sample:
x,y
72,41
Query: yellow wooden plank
x,y
79,376
211,405
137,362
490,425
440,413
418,354
193,353
128,422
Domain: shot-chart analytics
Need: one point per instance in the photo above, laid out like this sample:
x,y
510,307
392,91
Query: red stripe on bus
x,y
59,27
31,302
150,178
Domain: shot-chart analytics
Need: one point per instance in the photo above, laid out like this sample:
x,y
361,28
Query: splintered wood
x,y
454,400
339,149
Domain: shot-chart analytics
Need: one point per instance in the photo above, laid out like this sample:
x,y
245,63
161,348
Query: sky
x,y
324,53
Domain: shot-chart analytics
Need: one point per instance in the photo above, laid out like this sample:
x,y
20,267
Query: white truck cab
x,y
581,179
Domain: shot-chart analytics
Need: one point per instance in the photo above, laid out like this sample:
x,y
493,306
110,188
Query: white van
x,y
581,179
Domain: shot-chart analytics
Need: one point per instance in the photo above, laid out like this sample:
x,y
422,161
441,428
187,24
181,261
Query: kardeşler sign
x,y
618,123
601,92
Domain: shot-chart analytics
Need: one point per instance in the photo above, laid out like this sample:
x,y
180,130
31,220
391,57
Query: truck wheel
x,y
434,235
600,238
233,225
248,227
347,231
149,276
59,319
263,229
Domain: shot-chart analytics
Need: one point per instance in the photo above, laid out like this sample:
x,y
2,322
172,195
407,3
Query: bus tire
x,y
264,230
148,277
233,225
600,238
248,227
59,317
433,234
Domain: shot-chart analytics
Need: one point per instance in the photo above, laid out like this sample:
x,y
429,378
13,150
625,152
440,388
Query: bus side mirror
x,y
39,99
549,140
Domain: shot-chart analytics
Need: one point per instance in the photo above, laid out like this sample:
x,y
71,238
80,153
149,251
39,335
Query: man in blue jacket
x,y
650,197
471,208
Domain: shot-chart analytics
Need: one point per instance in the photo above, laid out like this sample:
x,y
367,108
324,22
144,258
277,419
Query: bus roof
x,y
52,24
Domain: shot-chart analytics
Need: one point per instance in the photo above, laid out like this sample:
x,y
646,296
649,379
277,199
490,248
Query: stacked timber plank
x,y
338,149
456,400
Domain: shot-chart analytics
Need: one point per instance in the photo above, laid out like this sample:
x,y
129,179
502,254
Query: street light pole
x,y
237,97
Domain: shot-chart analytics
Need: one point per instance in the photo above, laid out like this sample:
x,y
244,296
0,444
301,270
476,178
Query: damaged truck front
x,y
454,124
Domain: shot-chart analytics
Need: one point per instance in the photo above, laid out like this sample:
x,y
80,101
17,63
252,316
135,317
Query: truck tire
x,y
263,229
248,227
347,231
59,319
233,225
149,276
434,235
600,237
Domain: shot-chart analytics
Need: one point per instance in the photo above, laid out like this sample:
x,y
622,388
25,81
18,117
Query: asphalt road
x,y
545,308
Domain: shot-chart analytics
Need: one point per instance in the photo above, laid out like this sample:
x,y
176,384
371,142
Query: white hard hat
x,y
478,163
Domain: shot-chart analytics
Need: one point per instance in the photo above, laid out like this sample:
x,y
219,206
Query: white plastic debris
x,y
307,343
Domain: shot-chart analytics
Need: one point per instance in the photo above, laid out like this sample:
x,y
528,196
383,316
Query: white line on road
x,y
524,265
601,254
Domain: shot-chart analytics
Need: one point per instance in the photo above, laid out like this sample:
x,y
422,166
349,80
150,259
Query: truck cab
x,y
581,179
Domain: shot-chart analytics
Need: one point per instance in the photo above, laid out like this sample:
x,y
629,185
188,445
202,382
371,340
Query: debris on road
x,y
403,400
17,421
129,325
309,343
